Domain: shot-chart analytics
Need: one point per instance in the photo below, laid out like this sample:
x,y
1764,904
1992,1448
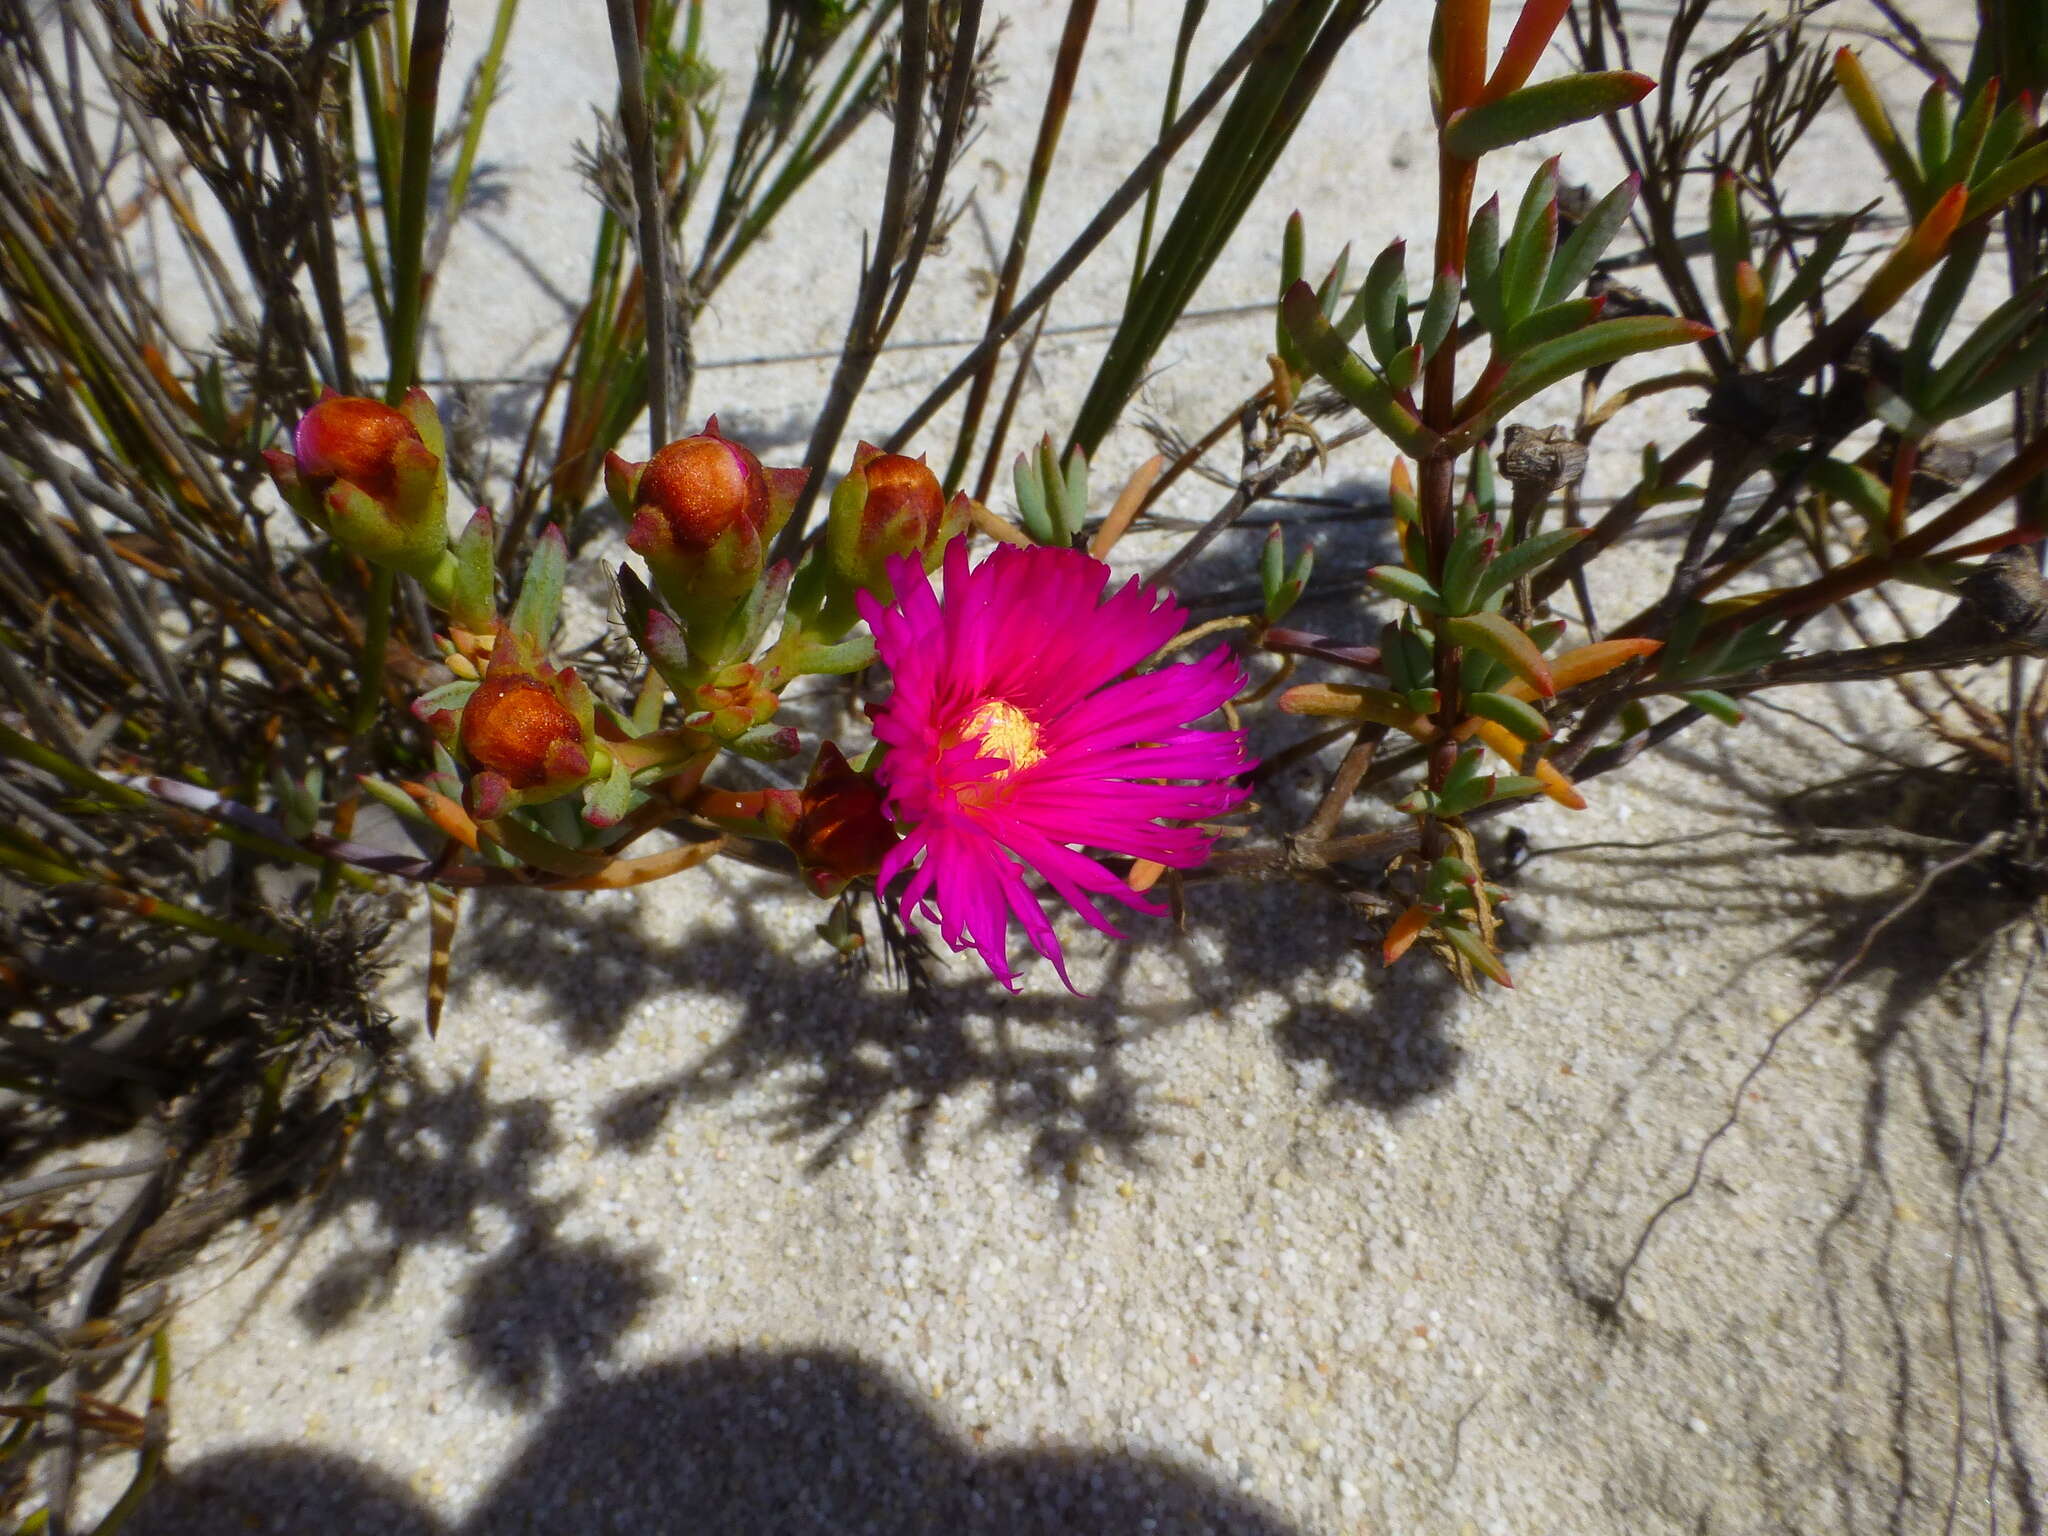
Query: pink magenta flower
x,y
1016,731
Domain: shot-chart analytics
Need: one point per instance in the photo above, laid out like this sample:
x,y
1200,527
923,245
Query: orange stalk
x,y
1532,33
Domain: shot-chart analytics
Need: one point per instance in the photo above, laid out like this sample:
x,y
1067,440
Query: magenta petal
x,y
1082,751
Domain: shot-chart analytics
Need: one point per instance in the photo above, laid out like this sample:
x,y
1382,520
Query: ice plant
x,y
1018,730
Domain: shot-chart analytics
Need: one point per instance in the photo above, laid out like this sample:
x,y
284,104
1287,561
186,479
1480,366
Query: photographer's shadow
x,y
736,1442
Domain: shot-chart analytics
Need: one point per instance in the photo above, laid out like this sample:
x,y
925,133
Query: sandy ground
x,y
681,1227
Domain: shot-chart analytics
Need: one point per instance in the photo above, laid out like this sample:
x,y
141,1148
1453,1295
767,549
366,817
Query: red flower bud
x,y
514,726
843,830
344,438
371,475
888,505
699,487
703,511
903,494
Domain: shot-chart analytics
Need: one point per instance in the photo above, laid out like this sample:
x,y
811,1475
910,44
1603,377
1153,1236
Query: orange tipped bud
x,y
698,488
889,505
344,438
516,727
372,476
703,511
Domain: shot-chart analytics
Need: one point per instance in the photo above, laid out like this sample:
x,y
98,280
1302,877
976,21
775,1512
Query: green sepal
x,y
607,801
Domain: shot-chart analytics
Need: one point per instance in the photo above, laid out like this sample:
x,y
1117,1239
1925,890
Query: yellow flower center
x,y
1005,731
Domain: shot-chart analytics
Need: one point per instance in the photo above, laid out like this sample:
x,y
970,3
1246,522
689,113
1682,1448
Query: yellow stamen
x,y
1003,730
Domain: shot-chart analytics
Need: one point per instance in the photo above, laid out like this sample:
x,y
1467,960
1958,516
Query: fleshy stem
x,y
1461,40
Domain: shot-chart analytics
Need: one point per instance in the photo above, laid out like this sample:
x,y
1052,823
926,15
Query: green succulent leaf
x,y
1439,313
1527,557
1505,710
1350,376
1525,259
1506,643
1542,108
1599,344
1382,305
540,595
1587,243
1482,269
1397,581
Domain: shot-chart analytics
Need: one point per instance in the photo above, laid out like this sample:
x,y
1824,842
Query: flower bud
x,y
843,830
372,476
703,511
888,505
527,730
515,727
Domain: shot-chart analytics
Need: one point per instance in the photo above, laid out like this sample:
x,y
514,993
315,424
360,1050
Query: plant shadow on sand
x,y
740,1441
458,1162
1882,1149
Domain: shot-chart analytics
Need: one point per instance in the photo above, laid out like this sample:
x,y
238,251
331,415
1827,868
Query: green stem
x,y
409,236
44,871
1190,19
120,797
480,105
362,718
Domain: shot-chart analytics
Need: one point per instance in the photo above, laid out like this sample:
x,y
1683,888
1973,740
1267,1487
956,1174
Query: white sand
x,y
680,1228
